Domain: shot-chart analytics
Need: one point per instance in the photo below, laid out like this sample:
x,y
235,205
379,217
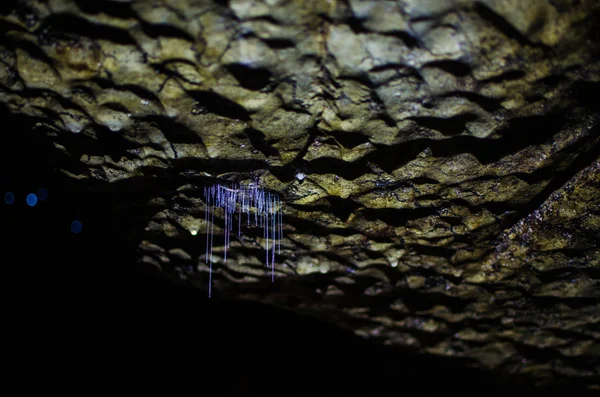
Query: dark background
x,y
77,310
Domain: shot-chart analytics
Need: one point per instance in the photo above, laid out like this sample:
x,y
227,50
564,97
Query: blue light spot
x,y
9,198
42,194
76,227
32,200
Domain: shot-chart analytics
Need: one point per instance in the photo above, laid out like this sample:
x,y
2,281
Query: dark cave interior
x,y
84,298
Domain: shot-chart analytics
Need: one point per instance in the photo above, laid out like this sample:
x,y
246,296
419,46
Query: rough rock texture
x,y
437,160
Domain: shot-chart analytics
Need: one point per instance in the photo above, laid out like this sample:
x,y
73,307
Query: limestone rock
x,y
437,160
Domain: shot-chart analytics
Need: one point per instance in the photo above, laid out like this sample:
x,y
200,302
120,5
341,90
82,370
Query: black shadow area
x,y
78,313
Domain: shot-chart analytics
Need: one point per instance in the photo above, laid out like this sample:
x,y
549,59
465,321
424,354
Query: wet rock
x,y
437,161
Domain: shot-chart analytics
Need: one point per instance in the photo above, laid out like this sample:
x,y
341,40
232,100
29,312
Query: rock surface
x,y
437,160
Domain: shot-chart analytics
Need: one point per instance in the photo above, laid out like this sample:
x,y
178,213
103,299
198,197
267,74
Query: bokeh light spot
x,y
32,199
42,194
9,198
76,227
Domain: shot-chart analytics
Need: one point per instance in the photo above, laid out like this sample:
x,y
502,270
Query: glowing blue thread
x,y
237,200
32,200
76,227
42,194
9,198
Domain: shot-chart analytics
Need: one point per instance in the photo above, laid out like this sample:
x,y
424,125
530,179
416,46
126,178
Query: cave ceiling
x,y
433,164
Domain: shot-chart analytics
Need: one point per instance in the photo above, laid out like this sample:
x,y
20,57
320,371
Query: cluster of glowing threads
x,y
262,209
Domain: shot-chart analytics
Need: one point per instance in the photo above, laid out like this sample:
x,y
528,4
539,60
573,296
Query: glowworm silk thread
x,y
262,209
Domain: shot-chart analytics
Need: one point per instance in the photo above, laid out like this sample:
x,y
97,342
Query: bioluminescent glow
x,y
262,209
42,194
9,198
31,200
76,226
